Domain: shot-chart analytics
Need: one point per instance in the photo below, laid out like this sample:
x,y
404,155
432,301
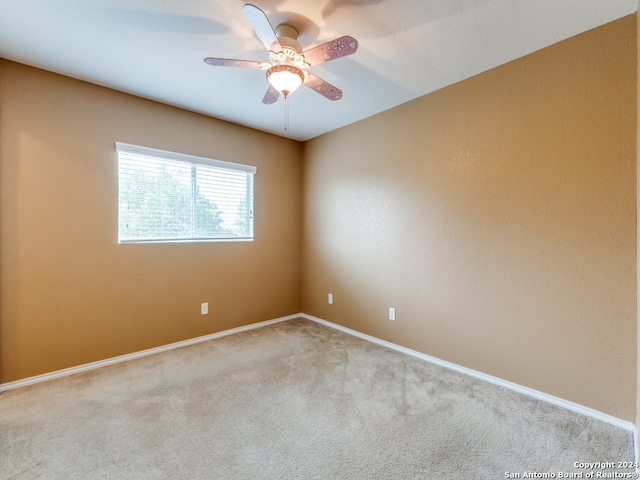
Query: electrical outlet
x,y
330,299
392,313
204,308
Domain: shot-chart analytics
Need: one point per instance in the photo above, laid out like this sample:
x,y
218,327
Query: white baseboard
x,y
132,356
636,450
589,412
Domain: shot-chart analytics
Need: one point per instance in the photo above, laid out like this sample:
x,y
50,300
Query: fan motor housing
x,y
288,37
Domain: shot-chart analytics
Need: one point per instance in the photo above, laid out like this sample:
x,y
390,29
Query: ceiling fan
x,y
287,70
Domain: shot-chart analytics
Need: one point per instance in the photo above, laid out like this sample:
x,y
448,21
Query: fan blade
x,y
340,47
230,62
271,96
260,23
323,88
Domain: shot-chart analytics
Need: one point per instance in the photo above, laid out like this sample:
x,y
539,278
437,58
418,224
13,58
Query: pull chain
x,y
286,115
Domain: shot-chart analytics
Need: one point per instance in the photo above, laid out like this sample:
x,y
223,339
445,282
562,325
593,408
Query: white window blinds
x,y
168,197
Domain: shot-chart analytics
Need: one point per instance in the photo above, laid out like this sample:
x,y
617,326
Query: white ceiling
x,y
408,48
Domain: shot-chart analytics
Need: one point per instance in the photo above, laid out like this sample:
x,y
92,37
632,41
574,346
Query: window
x,y
172,197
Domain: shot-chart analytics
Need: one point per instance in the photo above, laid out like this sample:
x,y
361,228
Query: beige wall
x,y
638,227
498,216
70,294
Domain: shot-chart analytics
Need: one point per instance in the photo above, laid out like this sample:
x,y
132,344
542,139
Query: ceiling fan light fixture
x,y
287,67
285,78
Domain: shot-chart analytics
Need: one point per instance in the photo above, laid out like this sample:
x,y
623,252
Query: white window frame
x,y
153,153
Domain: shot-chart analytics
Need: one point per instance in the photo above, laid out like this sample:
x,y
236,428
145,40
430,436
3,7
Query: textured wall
x,y
70,294
638,231
498,216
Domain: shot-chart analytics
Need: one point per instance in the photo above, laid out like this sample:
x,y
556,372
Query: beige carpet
x,y
294,400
